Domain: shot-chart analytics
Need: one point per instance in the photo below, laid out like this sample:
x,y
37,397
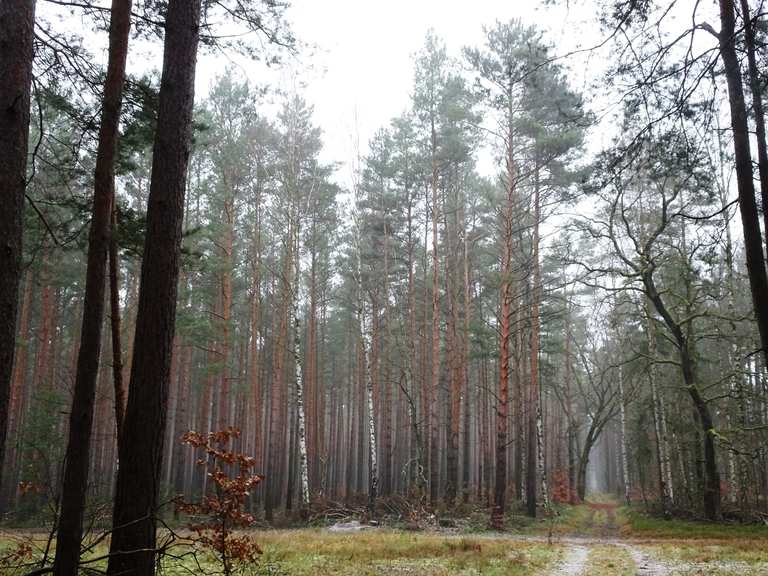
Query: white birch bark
x,y
660,427
623,418
733,480
365,341
666,450
540,455
298,377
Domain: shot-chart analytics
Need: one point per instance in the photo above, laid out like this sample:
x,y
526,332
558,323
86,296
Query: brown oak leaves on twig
x,y
220,512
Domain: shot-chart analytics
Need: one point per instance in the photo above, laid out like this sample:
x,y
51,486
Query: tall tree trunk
x,y
310,348
505,317
586,451
434,460
482,433
180,452
173,405
453,353
661,438
417,424
17,20
623,440
531,487
373,471
711,477
298,376
136,496
129,327
321,455
519,412
47,326
291,455
17,396
750,221
465,365
276,391
70,526
365,347
386,410
255,407
666,449
757,108
540,463
114,313
570,431
224,416
206,414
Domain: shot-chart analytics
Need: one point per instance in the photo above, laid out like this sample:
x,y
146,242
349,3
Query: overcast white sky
x,y
359,74
357,69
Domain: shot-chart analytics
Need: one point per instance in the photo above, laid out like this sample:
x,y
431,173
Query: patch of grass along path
x,y
712,557
606,560
382,552
644,526
309,552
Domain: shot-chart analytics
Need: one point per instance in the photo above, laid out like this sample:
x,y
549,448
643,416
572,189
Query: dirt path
x,y
602,519
597,527
595,539
574,561
646,565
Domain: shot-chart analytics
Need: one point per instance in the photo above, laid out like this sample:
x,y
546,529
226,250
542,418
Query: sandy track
x,y
574,562
646,565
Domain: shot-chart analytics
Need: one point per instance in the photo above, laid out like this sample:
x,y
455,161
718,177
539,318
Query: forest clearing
x,y
583,540
359,287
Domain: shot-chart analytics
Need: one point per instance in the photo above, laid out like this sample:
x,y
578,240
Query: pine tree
x,y
16,38
136,496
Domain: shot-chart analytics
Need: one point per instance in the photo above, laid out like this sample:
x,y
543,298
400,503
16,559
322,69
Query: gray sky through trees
x,y
364,63
355,63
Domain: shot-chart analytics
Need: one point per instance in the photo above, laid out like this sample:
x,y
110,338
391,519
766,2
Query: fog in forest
x,y
273,272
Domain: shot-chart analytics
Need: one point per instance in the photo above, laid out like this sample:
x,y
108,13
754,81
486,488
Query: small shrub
x,y
222,512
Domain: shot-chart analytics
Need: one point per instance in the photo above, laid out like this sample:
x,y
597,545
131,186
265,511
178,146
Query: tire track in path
x,y
645,564
574,561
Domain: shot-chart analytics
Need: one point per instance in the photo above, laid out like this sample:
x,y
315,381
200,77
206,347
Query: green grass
x,y
706,548
307,552
609,561
644,526
581,521
710,552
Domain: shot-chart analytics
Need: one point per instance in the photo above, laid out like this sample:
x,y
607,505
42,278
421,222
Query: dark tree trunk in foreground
x,y
138,479
75,484
114,312
17,19
757,106
750,219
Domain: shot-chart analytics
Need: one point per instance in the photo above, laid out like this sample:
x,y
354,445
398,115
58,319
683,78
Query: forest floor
x,y
597,538
601,538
